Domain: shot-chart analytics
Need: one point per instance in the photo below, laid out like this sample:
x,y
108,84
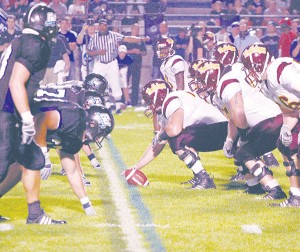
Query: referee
x,y
103,46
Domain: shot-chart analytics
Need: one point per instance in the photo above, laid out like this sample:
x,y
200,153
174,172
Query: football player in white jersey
x,y
188,124
278,79
173,68
256,128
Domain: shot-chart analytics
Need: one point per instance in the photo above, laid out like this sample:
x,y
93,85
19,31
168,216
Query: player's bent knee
x,y
189,158
260,171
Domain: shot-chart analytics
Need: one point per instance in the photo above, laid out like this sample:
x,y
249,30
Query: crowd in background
x,y
241,22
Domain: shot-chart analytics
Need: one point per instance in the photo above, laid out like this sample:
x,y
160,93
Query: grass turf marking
x,y
127,223
147,225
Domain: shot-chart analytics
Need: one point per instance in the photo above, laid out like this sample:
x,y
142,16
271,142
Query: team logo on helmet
x,y
96,83
226,53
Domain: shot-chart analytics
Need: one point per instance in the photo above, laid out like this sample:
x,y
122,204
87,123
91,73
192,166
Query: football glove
x,y
28,132
228,148
285,135
47,170
90,211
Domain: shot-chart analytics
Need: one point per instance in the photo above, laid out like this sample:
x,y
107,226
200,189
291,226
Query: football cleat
x,y
95,164
292,201
191,181
203,181
238,176
44,219
255,189
270,160
3,219
274,193
85,181
62,172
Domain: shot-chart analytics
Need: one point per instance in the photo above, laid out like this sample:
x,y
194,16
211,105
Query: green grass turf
x,y
187,220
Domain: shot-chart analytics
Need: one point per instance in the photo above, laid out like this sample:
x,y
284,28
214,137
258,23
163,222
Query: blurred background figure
x,y
136,51
7,36
295,47
271,38
286,37
181,41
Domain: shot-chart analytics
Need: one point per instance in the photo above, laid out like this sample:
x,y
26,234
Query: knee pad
x,y
294,171
243,155
189,158
260,172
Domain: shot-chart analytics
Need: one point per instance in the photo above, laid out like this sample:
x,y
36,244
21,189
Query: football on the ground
x,y
136,177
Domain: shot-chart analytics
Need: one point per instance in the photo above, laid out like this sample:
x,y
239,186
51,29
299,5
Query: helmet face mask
x,y
255,59
154,94
43,20
165,48
99,123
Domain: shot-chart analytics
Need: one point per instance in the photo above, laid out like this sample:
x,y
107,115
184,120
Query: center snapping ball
x,y
136,177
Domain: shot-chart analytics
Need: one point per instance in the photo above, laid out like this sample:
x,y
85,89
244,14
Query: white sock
x,y
295,191
252,182
197,167
272,183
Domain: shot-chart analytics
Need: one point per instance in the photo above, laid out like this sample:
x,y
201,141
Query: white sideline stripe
x,y
128,226
148,225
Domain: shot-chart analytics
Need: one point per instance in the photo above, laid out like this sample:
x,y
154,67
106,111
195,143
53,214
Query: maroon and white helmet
x,y
226,53
154,94
207,77
165,48
192,72
255,59
209,37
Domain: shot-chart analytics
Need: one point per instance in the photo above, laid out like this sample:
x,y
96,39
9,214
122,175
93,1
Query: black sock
x,y
91,156
34,210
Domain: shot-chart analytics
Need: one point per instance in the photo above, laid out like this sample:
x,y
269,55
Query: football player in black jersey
x,y
22,67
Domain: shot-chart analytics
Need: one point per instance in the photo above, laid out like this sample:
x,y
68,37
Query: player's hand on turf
x,y
90,211
285,135
228,148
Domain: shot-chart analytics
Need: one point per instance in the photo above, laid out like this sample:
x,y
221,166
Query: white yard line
x,y
128,225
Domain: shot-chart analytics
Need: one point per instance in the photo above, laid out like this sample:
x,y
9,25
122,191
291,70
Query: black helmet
x,y
99,123
96,83
41,19
92,99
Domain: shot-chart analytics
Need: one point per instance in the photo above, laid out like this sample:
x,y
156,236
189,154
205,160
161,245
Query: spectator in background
x,y
136,51
235,30
181,41
139,5
124,61
59,7
283,5
295,47
257,12
87,32
271,38
250,4
77,8
35,2
286,37
59,63
7,36
272,10
294,8
244,38
18,9
156,62
222,35
195,47
71,38
239,8
104,47
294,26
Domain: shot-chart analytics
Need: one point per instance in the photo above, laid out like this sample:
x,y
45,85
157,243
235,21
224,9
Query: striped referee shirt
x,y
109,42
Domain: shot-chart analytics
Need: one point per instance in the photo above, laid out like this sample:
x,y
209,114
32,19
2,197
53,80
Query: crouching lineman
x,y
278,79
188,126
65,125
22,67
257,128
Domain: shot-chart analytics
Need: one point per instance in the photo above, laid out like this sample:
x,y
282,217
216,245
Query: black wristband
x,y
164,136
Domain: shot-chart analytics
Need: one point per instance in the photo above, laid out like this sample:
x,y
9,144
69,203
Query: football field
x,y
165,216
